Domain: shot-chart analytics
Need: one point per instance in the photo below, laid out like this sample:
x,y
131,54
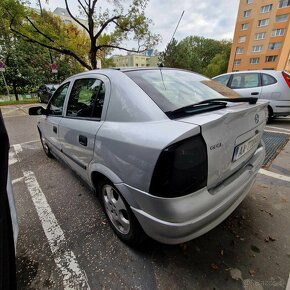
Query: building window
x,y
247,13
239,50
271,58
254,60
266,8
242,39
282,18
249,1
284,3
237,62
274,45
260,35
263,22
245,26
257,48
278,32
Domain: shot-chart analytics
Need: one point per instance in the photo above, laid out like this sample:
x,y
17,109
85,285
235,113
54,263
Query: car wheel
x,y
45,147
270,115
119,214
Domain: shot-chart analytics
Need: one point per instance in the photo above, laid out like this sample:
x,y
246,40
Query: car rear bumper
x,y
177,220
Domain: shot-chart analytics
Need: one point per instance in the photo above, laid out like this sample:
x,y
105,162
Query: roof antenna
x,y
161,64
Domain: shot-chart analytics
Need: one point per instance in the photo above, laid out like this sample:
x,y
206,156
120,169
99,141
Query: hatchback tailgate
x,y
232,135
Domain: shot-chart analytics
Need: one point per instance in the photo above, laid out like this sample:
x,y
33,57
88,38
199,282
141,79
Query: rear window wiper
x,y
208,105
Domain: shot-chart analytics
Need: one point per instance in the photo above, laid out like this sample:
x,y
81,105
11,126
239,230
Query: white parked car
x,y
169,155
270,85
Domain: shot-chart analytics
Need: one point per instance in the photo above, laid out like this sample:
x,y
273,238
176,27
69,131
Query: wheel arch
x,y
100,172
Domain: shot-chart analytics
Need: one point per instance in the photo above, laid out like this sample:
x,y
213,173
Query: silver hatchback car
x,y
168,155
270,85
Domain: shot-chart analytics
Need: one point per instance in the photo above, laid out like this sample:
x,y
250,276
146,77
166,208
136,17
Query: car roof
x,y
116,70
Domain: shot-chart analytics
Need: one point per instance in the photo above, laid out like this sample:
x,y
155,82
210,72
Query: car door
x,y
246,84
83,118
50,123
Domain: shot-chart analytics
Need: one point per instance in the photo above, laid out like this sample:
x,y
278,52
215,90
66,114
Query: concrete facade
x,y
138,60
262,36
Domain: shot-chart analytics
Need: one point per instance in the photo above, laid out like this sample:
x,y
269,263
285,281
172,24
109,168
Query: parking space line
x,y
277,128
288,284
272,131
65,259
274,175
28,142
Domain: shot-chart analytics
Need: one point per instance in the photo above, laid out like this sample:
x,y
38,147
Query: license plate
x,y
245,147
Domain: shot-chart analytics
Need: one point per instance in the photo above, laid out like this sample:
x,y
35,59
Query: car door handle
x,y
54,129
255,93
83,140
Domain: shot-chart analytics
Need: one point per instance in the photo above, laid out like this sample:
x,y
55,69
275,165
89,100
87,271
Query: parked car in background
x,y
8,217
167,154
45,92
265,84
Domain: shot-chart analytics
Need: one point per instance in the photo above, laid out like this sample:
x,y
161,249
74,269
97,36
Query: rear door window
x,y
245,80
268,80
55,107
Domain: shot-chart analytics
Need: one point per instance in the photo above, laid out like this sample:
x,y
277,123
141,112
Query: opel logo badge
x,y
257,118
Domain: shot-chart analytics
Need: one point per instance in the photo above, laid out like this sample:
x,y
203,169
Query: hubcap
x,y
116,209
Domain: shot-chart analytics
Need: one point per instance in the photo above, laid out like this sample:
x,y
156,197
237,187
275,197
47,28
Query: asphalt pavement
x,y
249,250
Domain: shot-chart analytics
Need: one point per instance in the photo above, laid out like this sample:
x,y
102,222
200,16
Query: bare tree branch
x,y
84,8
60,50
38,31
99,47
74,18
105,25
94,5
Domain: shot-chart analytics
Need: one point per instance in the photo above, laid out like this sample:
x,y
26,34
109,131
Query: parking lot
x,y
65,241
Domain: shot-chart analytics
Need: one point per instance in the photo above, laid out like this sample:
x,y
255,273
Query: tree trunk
x,y
93,55
15,91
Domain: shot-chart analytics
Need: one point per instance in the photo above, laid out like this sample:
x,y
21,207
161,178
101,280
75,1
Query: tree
x,y
197,53
103,32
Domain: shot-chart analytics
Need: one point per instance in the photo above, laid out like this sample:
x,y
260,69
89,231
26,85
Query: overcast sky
x,y
209,18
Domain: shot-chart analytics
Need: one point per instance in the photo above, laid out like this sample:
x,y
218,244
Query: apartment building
x,y
262,36
131,59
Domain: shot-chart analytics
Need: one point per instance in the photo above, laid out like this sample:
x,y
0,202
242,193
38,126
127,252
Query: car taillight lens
x,y
287,78
181,169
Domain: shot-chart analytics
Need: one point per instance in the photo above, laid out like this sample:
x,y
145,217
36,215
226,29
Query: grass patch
x,y
20,102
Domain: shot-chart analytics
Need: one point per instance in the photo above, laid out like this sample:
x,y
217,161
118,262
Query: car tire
x,y
120,216
45,147
270,115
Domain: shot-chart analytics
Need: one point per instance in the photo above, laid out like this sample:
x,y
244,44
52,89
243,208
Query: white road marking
x,y
12,158
17,148
288,283
17,180
65,259
272,127
274,175
28,142
272,131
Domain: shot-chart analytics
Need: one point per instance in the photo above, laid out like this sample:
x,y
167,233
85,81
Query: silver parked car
x,y
265,84
168,154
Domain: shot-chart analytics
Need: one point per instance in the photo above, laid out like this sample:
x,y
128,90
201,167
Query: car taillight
x,y
286,77
181,169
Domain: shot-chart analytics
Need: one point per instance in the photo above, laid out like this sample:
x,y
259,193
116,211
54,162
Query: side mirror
x,y
37,111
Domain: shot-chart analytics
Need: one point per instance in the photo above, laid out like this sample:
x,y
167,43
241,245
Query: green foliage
x,y
104,31
199,54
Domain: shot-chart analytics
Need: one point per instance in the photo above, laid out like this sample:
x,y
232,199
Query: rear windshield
x,y
174,89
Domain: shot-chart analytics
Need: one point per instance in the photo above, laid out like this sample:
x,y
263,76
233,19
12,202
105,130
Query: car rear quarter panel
x,y
130,150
